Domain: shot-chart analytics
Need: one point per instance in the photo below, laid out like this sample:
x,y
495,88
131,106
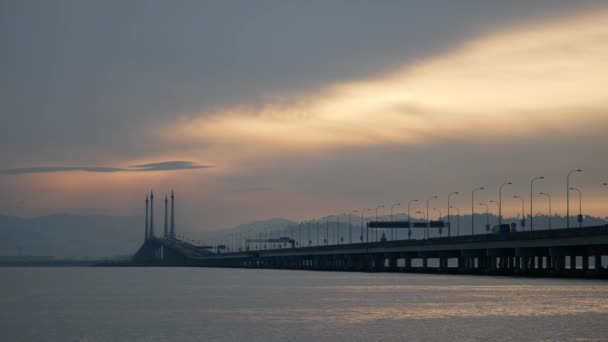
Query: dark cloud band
x,y
168,166
162,166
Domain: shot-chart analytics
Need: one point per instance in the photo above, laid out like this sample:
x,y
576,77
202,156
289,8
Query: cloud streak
x,y
149,167
540,80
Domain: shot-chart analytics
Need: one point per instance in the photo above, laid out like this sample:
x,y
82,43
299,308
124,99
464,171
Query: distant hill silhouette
x,y
70,236
98,236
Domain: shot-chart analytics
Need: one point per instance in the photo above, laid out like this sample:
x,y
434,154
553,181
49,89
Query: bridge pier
x,y
392,262
524,253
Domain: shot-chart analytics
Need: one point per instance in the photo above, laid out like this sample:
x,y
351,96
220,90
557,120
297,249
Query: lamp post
x,y
422,213
493,202
393,229
340,228
450,222
487,216
532,201
500,201
427,215
350,226
523,214
326,230
457,220
409,218
580,207
605,184
473,208
366,229
568,196
339,237
549,197
440,215
318,226
376,230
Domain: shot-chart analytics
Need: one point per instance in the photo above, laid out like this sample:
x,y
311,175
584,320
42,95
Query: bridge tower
x,y
147,232
151,229
166,225
172,232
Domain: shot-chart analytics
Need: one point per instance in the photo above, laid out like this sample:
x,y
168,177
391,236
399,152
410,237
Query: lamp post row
x,y
426,214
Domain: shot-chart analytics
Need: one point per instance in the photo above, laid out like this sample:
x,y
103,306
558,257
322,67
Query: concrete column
x,y
442,263
525,263
556,263
598,262
573,262
408,262
392,262
585,262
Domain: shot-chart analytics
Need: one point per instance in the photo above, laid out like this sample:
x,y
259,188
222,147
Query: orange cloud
x,y
540,79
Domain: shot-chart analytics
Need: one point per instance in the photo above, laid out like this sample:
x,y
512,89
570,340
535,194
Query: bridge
x,y
580,252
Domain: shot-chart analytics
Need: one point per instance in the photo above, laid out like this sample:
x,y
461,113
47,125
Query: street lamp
x,y
523,214
473,208
366,229
423,214
532,201
500,202
340,228
549,197
580,207
318,226
487,216
457,220
450,222
376,230
440,215
339,237
350,226
428,222
393,229
326,230
309,239
568,196
409,218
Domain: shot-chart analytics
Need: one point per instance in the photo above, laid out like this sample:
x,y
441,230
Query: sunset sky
x,y
258,109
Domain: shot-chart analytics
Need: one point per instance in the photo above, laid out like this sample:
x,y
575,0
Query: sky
x,y
258,109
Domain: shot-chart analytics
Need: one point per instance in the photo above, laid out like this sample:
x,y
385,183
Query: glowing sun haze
x,y
545,78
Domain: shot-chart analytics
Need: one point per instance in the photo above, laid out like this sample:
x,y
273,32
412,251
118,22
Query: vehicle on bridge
x,y
504,228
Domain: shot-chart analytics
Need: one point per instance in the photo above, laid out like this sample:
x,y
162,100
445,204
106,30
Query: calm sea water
x,y
197,304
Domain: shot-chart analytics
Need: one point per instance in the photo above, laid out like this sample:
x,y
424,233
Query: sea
x,y
206,304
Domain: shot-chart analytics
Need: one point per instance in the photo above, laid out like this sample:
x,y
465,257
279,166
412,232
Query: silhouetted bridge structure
x,y
558,252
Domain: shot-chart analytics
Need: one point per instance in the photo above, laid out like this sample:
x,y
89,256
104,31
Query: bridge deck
x,y
555,252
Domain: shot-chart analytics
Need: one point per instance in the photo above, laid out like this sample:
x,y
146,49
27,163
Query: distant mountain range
x,y
68,236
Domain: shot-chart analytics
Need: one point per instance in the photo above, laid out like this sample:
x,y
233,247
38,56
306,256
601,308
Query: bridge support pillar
x,y
572,263
585,262
408,262
525,263
392,262
378,260
443,263
558,260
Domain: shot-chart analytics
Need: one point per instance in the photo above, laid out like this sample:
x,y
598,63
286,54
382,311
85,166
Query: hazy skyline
x,y
253,110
